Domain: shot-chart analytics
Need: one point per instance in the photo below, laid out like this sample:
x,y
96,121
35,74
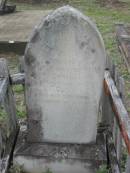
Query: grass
x,y
102,169
16,169
19,97
18,89
19,169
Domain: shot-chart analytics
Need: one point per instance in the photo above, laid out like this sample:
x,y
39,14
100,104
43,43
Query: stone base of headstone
x,y
59,158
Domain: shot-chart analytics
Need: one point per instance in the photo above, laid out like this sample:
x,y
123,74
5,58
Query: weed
x,y
102,169
3,114
123,160
16,169
48,171
18,88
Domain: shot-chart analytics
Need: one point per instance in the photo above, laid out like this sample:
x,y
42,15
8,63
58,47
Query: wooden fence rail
x,y
18,78
3,88
119,110
11,128
120,120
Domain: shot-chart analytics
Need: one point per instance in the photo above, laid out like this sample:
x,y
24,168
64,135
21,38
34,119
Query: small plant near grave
x,y
18,88
102,169
19,169
123,160
16,169
20,104
48,171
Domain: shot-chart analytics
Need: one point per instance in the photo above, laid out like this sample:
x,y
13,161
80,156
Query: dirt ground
x,y
19,26
112,3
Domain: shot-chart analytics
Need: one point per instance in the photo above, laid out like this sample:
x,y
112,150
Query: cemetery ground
x,y
105,17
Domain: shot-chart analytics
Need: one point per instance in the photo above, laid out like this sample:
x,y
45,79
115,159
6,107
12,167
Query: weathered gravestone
x,y
64,66
64,71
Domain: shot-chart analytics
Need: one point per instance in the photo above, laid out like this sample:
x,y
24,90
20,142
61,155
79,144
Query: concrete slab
x,y
59,158
18,26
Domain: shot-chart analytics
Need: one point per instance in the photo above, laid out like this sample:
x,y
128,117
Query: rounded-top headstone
x,y
64,66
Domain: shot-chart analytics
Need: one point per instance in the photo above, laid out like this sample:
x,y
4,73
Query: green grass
x,y
3,114
124,160
102,169
19,169
16,169
20,104
18,89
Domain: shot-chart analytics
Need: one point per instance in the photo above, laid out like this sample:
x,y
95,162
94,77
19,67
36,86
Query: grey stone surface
x,y
40,165
59,158
16,27
64,66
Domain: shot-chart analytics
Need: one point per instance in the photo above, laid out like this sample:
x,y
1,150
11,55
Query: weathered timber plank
x,y
121,90
120,85
18,78
128,165
4,164
6,93
3,88
112,155
9,106
115,125
21,64
123,39
107,113
121,114
3,68
4,80
119,145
